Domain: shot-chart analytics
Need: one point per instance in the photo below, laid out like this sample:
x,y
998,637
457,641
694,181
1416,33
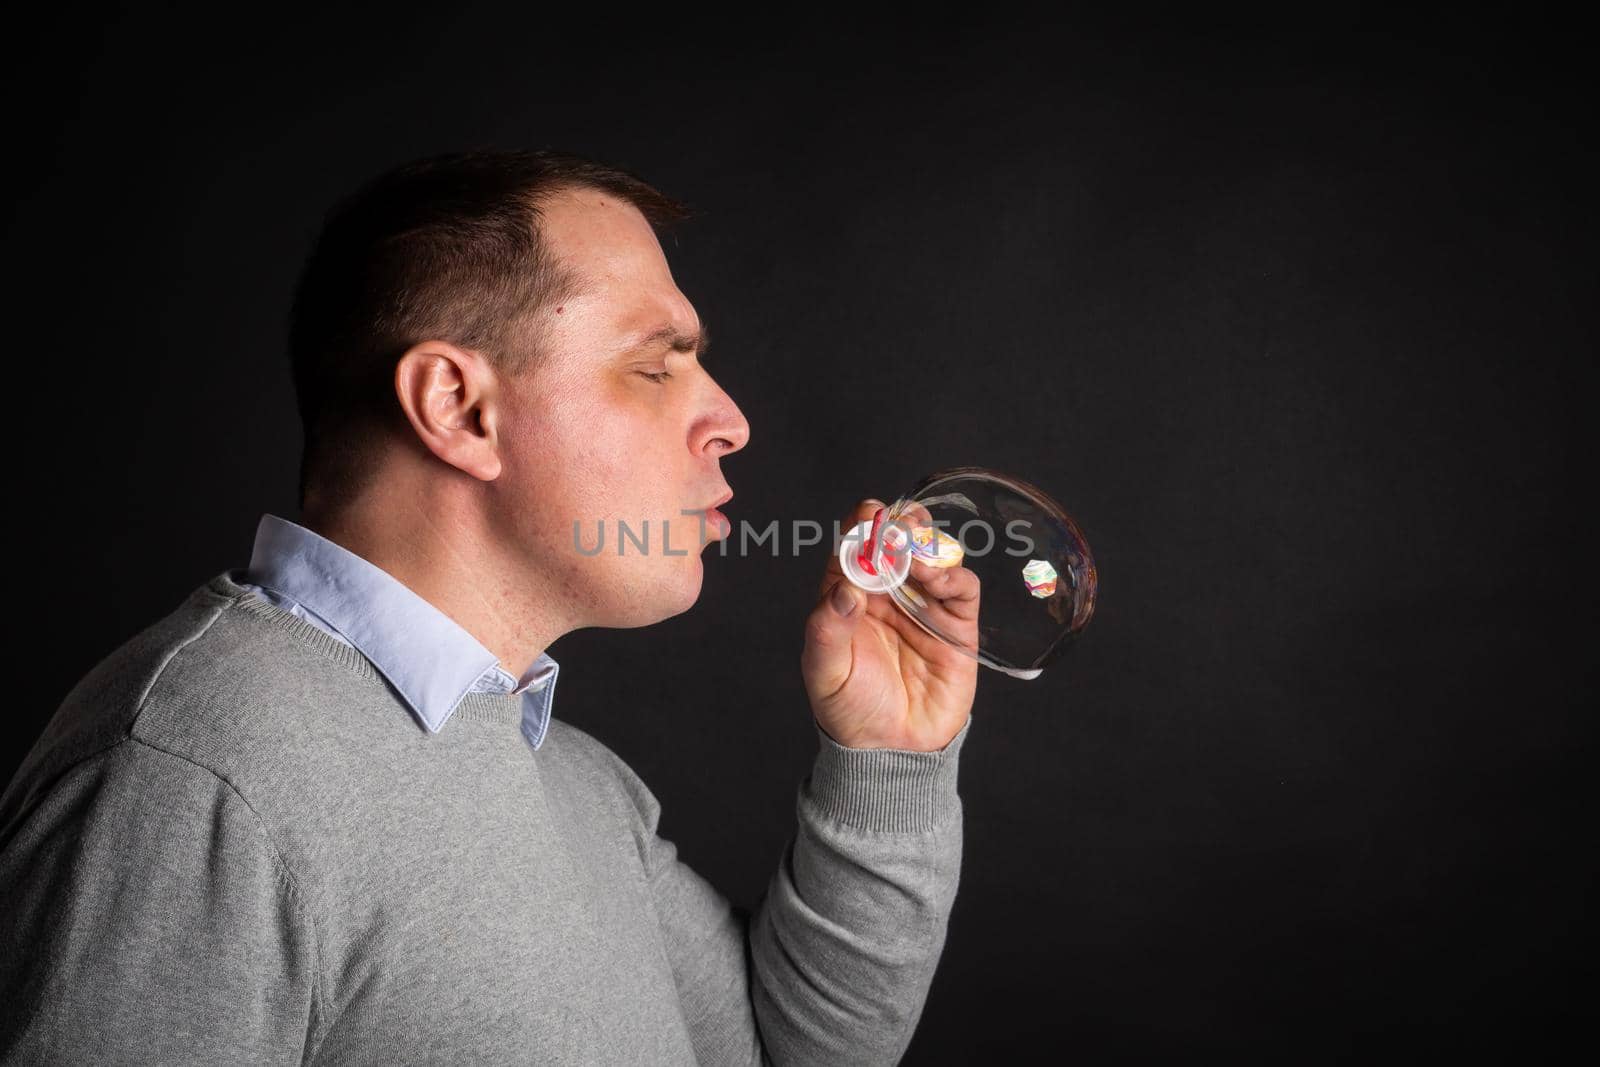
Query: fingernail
x,y
844,602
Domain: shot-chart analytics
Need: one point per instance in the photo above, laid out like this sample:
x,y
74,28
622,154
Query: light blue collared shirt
x,y
426,655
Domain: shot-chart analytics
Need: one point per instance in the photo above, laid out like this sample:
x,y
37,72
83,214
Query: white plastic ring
x,y
850,548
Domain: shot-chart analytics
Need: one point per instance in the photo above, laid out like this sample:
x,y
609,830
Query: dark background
x,y
1287,315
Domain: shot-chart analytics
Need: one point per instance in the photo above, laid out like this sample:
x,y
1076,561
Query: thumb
x,y
826,659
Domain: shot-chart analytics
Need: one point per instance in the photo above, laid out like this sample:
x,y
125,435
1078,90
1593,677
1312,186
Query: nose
x,y
724,430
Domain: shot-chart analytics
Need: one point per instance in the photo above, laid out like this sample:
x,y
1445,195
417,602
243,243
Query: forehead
x,y
598,231
624,285
613,250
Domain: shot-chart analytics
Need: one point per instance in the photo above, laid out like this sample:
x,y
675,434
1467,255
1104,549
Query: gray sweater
x,y
233,843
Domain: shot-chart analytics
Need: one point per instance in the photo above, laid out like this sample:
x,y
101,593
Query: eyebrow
x,y
677,340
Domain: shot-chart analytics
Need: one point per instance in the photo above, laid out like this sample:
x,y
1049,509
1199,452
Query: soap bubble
x,y
1030,561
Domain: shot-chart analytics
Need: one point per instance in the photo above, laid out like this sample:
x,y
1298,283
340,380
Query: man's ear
x,y
448,394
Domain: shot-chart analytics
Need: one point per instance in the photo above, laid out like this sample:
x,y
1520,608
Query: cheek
x,y
598,459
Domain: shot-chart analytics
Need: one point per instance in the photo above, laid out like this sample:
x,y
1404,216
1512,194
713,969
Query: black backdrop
x,y
1288,316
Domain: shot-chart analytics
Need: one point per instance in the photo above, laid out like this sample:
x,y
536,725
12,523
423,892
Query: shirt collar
x,y
426,655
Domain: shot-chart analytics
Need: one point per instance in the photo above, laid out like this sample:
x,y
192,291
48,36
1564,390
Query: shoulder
x,y
598,767
131,804
99,711
210,684
568,745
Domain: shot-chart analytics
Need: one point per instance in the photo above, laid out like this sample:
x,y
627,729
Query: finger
x,y
827,657
905,516
952,631
915,514
956,588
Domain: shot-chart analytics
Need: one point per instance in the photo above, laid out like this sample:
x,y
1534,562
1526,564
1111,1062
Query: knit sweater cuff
x,y
886,789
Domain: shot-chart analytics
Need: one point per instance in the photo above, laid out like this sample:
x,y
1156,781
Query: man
x,y
321,813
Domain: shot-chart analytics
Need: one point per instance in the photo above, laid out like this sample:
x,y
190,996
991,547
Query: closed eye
x,y
657,376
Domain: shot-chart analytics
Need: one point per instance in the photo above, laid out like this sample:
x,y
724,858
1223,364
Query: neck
x,y
436,540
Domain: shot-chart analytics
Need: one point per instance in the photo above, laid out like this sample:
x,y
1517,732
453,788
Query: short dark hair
x,y
444,248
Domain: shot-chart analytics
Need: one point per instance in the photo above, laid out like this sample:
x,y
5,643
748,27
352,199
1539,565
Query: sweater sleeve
x,y
149,920
835,963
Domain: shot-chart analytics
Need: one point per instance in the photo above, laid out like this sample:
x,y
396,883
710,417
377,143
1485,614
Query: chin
x,y
672,595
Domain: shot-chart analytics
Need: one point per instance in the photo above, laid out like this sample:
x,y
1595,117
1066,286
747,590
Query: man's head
x,y
491,345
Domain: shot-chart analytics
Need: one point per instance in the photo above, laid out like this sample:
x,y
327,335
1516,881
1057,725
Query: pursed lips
x,y
718,520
